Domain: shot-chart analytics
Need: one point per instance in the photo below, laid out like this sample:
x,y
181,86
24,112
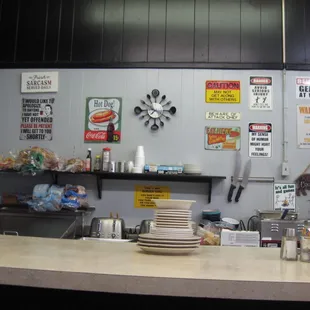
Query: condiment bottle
x,y
97,163
106,158
88,160
289,245
110,131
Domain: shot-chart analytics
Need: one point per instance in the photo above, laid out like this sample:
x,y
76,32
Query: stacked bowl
x,y
172,232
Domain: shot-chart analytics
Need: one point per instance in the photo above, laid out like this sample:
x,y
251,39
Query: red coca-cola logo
x,y
95,135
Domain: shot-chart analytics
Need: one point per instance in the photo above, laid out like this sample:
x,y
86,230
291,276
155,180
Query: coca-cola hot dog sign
x,y
103,119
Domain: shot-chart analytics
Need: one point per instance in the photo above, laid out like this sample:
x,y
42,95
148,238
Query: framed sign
x,y
39,82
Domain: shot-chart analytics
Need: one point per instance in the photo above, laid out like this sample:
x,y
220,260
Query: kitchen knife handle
x,y
231,191
240,189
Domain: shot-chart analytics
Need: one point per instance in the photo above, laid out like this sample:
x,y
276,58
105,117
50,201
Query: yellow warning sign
x,y
223,92
145,193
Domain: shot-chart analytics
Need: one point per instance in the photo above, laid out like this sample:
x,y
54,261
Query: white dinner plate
x,y
173,251
163,241
154,237
173,204
165,245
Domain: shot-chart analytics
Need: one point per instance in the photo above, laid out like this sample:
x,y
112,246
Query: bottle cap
x,y
89,149
107,149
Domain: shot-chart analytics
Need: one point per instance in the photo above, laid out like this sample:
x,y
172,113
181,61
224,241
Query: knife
x,y
245,179
235,176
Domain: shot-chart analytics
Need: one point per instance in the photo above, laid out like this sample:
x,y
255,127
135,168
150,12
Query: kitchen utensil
x,y
163,98
107,227
143,116
137,110
245,179
145,226
161,122
167,103
154,127
149,99
173,204
147,122
155,93
284,214
143,102
172,110
235,176
167,117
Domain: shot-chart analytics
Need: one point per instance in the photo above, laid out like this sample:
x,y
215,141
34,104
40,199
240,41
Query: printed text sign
x,y
223,92
260,140
145,193
260,93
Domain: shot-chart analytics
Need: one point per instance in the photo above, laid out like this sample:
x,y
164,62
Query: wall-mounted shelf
x,y
100,176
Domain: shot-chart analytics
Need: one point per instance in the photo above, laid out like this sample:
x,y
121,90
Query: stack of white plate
x,y
172,232
192,169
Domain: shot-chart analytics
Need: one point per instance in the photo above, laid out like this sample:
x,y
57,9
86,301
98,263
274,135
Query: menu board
x,y
145,193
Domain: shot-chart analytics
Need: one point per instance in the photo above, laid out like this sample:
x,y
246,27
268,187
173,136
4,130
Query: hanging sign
x,y
303,88
222,138
223,92
103,120
260,93
39,82
284,196
37,119
145,193
260,140
223,116
303,126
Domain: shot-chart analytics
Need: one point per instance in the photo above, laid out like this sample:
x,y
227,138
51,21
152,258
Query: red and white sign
x,y
303,88
260,140
260,93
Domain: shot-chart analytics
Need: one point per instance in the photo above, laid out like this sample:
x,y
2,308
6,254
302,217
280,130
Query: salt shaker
x,y
289,245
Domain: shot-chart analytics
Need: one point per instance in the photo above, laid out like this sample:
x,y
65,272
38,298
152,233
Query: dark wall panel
x,y
250,31
8,29
88,30
180,31
113,31
148,33
225,31
31,31
136,24
202,19
157,31
271,31
66,30
52,30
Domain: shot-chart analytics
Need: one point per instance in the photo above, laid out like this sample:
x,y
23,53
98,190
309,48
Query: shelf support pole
x,y
209,190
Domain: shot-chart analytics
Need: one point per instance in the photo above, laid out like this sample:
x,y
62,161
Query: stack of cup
x,y
139,160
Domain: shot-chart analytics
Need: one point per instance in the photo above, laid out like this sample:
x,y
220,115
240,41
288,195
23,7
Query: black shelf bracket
x,y
99,186
209,190
54,177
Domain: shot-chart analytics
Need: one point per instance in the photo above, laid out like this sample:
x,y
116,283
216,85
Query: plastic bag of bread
x,y
38,157
74,165
7,163
210,234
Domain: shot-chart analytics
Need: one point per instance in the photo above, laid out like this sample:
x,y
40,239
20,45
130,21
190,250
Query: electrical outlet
x,y
285,170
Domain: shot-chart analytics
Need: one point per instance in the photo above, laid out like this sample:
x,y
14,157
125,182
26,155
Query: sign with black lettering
x,y
39,82
260,94
37,119
303,88
260,140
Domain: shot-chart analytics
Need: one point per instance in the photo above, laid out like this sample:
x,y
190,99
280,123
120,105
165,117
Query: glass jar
x,y
289,245
305,249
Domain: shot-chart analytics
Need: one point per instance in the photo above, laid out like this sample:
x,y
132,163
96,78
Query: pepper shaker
x,y
289,245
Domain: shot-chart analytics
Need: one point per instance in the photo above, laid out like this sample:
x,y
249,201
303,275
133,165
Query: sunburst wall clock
x,y
154,111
